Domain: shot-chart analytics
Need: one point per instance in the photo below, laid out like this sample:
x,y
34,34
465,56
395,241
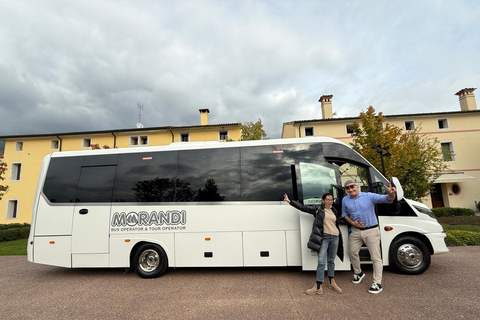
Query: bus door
x,y
90,233
313,181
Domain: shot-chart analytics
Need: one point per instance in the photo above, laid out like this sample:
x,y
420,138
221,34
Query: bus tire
x,y
409,255
150,260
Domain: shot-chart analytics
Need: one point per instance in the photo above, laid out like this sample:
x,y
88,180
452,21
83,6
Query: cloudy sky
x,y
85,65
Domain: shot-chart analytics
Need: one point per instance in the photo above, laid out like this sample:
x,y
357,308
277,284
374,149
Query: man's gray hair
x,y
350,182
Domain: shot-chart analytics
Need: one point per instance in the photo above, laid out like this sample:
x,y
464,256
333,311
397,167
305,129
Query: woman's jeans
x,y
327,254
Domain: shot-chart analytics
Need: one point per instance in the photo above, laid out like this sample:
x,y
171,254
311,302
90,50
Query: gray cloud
x,y
76,66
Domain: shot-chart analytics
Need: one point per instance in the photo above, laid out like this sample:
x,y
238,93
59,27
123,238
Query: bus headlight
x,y
426,211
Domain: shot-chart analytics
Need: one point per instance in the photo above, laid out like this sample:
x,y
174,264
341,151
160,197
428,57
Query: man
x,y
358,209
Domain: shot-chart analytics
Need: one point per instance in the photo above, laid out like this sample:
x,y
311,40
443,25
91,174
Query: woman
x,y
325,239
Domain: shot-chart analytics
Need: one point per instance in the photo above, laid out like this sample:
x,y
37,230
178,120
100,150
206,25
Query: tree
x,y
253,131
3,188
416,160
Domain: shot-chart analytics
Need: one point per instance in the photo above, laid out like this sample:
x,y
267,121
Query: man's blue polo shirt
x,y
363,207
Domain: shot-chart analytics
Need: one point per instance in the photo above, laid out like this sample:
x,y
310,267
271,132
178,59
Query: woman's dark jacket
x,y
316,237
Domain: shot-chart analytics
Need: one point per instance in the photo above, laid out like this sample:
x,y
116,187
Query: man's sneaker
x,y
375,288
357,278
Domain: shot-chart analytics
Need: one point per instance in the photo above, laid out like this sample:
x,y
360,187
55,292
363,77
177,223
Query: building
x,y
24,154
457,131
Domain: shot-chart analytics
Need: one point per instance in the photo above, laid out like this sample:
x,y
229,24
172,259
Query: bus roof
x,y
198,145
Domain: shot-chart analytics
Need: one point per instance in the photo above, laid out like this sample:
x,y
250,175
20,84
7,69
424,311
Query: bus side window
x,y
146,177
208,175
62,179
96,184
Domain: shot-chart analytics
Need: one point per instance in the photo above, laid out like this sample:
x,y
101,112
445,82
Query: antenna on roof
x,y
140,108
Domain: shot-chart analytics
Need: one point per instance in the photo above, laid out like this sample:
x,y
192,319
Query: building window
x,y
184,137
16,170
55,144
19,146
87,142
12,207
223,135
409,125
309,132
139,141
442,123
349,128
447,151
456,190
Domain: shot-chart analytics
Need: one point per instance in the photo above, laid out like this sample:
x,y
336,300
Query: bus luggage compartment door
x,y
264,248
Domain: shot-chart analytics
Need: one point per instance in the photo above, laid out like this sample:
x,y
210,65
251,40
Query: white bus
x,y
211,205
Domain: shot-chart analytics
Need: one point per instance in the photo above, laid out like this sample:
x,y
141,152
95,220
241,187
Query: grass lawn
x,y
14,248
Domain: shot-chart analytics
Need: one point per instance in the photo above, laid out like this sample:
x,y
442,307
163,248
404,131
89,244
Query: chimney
x,y
326,102
467,99
204,116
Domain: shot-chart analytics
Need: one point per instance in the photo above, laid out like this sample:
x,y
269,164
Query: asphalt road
x,y
449,289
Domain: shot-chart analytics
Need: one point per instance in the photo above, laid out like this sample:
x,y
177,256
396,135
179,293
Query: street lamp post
x,y
380,150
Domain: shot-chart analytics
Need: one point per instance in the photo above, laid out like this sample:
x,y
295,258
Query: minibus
x,y
212,204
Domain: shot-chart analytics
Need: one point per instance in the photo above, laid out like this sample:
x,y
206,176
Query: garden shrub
x,y
452,212
462,238
24,232
9,234
14,231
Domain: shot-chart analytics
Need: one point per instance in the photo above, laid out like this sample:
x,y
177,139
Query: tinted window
x,y
208,175
317,179
103,160
266,173
96,184
62,179
146,177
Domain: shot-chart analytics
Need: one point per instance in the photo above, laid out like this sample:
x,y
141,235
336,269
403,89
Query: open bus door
x,y
314,180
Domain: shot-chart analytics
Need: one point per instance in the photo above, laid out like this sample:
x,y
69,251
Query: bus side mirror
x,y
395,183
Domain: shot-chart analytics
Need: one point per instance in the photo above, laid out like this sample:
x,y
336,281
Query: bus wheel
x,y
409,255
150,261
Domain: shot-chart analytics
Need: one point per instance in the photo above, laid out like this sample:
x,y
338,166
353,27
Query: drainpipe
x,y
299,130
114,140
173,136
60,147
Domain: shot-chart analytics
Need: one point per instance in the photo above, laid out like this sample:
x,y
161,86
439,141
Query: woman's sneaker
x,y
375,288
357,278
314,290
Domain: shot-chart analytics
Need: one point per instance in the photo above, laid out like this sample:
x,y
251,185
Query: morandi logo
x,y
143,218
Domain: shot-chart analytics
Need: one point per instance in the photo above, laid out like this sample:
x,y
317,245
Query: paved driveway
x,y
449,289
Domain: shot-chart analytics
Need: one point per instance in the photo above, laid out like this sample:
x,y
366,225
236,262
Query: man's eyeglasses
x,y
350,187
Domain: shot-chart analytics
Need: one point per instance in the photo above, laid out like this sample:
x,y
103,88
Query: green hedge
x,y
462,238
14,231
452,212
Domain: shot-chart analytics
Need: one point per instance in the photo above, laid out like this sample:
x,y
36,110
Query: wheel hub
x,y
149,260
409,255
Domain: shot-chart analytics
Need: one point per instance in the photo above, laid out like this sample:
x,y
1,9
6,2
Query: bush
x,y
462,238
452,212
23,233
478,206
14,231
9,234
